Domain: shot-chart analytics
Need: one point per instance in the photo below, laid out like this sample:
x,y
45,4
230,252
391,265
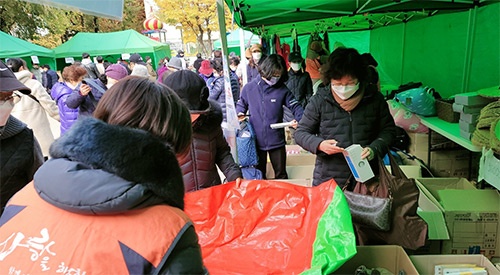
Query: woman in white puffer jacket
x,y
34,109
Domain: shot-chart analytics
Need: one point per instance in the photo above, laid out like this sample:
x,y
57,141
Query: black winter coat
x,y
208,149
369,124
300,84
20,157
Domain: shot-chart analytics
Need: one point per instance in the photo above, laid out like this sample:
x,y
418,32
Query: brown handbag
x,y
407,228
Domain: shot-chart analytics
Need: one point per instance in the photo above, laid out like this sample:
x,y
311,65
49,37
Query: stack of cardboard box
x,y
469,105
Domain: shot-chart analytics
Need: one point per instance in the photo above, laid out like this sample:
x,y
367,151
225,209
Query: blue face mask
x,y
273,81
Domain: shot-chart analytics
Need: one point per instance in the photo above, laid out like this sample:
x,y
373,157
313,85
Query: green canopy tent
x,y
446,44
111,46
233,41
14,47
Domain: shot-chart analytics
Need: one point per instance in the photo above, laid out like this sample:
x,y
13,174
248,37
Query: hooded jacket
x,y
20,158
35,114
68,116
369,124
103,205
86,104
208,149
300,84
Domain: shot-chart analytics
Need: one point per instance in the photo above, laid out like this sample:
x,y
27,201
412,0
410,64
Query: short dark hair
x,y
273,64
343,62
217,54
217,65
99,59
15,64
47,66
235,60
85,55
369,60
137,102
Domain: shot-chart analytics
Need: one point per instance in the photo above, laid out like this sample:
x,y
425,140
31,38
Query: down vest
x,y
60,92
369,124
208,149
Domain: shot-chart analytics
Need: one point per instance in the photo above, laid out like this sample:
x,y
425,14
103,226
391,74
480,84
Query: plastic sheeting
x,y
272,227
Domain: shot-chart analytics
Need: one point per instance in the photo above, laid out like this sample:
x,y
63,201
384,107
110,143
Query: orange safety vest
x,y
37,238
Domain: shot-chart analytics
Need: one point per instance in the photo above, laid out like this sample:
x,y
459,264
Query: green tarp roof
x,y
111,43
233,39
11,46
306,16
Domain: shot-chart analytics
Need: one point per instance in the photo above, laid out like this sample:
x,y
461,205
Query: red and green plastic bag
x,y
272,227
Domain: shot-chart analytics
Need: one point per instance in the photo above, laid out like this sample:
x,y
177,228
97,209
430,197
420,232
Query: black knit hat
x,y
295,57
190,87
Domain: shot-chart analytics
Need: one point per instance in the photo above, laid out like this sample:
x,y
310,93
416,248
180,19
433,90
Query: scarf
x,y
350,103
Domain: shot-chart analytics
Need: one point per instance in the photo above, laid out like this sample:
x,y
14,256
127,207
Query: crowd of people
x,y
133,139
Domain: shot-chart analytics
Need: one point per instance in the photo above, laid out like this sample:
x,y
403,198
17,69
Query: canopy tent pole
x,y
468,48
244,60
232,124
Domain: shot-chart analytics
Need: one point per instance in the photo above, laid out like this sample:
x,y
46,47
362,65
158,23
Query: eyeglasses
x,y
14,98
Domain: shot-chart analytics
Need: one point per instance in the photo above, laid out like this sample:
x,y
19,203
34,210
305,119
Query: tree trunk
x,y
96,25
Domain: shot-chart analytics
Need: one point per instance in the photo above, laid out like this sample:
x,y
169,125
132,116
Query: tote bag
x,y
246,145
407,228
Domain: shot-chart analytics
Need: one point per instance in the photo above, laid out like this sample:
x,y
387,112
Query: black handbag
x,y
369,211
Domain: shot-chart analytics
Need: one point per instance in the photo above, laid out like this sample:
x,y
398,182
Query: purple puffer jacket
x,y
59,92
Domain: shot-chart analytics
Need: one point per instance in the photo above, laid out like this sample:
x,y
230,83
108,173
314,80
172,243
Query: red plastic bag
x,y
272,227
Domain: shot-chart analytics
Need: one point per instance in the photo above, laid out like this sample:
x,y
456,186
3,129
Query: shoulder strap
x,y
34,98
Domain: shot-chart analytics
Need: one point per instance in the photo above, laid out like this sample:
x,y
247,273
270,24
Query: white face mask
x,y
5,109
295,66
256,56
345,92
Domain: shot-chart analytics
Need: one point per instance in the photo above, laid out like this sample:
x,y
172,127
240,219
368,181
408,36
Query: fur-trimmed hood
x,y
97,168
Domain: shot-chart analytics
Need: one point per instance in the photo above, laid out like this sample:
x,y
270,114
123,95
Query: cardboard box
x,y
454,163
294,172
411,171
471,215
306,171
301,182
489,169
425,264
300,159
420,144
390,257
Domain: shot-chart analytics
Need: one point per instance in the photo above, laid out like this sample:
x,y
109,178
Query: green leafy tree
x,y
22,19
198,19
50,27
